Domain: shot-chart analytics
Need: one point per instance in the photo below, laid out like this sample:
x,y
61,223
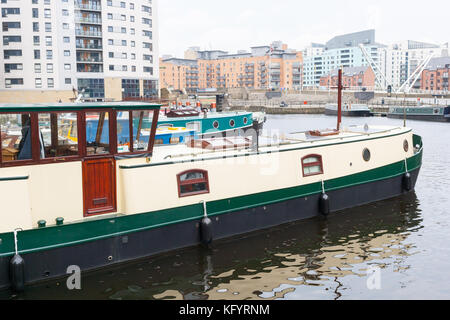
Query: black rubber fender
x,y
17,273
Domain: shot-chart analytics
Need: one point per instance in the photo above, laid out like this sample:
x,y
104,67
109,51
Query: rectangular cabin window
x,y
312,165
58,135
97,133
16,137
142,125
139,127
193,182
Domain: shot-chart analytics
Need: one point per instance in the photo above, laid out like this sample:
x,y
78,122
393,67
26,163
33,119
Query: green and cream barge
x,y
81,202
423,113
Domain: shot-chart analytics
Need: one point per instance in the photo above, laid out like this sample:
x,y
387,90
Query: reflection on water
x,y
318,254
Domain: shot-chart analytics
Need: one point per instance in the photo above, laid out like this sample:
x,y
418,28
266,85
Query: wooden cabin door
x,y
99,165
99,186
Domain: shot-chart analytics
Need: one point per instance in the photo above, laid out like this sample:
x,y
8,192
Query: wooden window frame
x,y
191,182
62,158
312,164
35,154
81,128
151,142
112,134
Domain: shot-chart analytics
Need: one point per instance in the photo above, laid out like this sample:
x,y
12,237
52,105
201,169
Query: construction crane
x,y
376,69
416,74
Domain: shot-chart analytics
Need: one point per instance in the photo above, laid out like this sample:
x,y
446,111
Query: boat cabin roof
x,y
13,107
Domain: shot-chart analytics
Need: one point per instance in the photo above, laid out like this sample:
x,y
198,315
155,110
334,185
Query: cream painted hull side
x,y
155,188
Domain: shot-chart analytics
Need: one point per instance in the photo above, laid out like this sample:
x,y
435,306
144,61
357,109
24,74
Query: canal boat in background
x,y
122,205
348,110
424,113
212,124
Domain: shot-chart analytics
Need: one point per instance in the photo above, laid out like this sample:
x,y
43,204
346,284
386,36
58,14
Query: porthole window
x,y
216,124
193,182
406,146
312,165
245,120
232,123
366,155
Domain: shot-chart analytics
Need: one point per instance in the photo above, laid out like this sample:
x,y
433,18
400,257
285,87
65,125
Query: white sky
x,y
233,25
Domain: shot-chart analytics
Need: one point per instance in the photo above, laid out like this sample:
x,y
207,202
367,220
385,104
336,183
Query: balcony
x,y
90,60
86,33
89,6
89,47
89,20
85,67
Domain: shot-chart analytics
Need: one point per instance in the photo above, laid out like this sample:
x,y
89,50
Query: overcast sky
x,y
233,25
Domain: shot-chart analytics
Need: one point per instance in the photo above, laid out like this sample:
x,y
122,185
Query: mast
x,y
340,87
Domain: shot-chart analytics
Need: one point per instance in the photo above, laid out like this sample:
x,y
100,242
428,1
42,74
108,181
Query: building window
x,y
66,39
10,25
312,165
132,31
110,29
93,88
49,67
192,183
65,26
36,40
35,26
148,70
130,88
67,66
67,53
13,66
47,13
49,54
8,39
38,83
35,12
48,41
37,54
12,53
68,81
48,27
13,81
65,12
50,82
131,18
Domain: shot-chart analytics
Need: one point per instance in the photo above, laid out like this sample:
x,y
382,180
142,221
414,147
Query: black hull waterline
x,y
53,263
435,118
363,113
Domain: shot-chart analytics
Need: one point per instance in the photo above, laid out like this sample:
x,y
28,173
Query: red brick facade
x,y
351,77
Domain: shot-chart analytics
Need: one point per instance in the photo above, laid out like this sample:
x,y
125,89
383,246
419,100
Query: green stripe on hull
x,y
76,233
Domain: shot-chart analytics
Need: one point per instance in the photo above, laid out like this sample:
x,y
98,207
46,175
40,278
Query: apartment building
x,y
355,78
272,66
51,50
435,75
341,51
